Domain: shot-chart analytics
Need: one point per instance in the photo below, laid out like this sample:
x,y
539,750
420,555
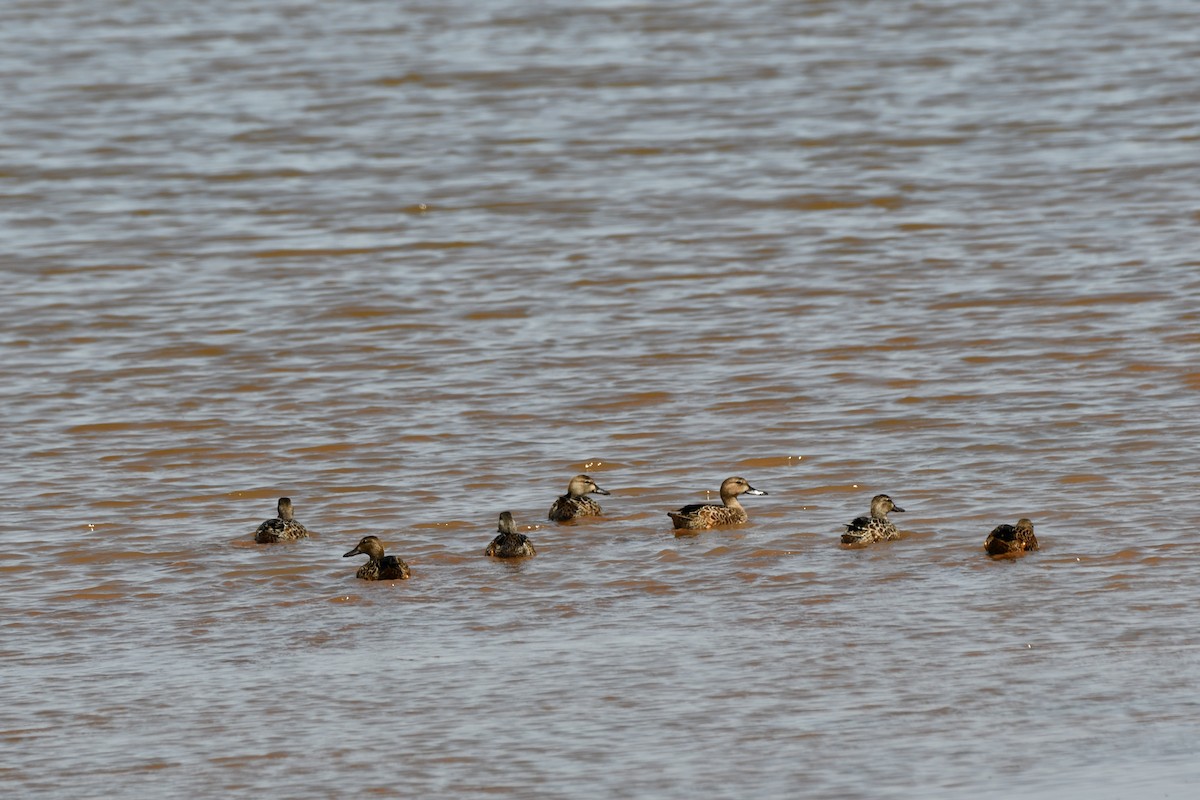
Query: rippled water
x,y
416,264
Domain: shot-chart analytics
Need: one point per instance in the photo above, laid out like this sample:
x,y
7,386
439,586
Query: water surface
x,y
417,264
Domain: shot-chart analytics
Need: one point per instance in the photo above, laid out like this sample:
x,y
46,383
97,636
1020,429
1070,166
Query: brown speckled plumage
x,y
1009,540
702,516
378,567
576,503
281,529
875,528
508,543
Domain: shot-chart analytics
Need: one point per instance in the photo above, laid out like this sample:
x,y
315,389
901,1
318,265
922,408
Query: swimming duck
x,y
379,567
702,516
875,528
576,503
508,543
283,528
1007,540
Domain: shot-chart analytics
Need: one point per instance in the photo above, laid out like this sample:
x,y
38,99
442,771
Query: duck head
x,y
732,487
284,509
581,485
881,505
369,546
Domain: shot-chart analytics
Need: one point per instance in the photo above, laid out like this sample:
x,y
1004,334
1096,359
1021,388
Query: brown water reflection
x,y
416,265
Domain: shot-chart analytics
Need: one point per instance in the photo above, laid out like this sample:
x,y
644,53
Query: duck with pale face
x,y
702,516
283,528
576,503
508,543
379,567
875,528
1010,540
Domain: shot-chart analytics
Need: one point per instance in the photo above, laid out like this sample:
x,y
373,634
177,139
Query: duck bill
x,y
897,508
754,491
598,490
353,552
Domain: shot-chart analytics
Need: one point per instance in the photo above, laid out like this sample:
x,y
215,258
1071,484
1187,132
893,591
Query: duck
x,y
283,528
875,528
1007,540
508,543
702,516
576,503
378,567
